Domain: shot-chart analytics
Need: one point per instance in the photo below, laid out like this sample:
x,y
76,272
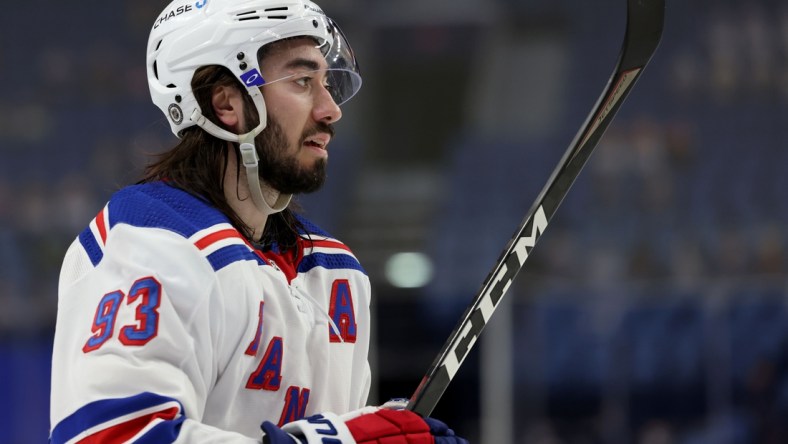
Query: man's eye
x,y
303,81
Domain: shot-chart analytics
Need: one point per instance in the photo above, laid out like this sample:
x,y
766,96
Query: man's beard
x,y
282,170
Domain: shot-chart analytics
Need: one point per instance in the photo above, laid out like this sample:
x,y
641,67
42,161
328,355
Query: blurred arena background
x,y
653,311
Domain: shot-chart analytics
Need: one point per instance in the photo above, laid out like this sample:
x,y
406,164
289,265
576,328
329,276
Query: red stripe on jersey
x,y
102,229
122,432
212,238
329,244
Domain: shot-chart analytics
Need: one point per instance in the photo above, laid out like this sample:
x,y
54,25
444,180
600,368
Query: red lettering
x,y
268,375
342,313
296,400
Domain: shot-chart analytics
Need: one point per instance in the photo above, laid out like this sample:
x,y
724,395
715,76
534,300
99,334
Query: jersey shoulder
x,y
309,228
321,249
158,205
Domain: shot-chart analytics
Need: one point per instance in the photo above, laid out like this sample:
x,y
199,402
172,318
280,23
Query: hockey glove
x,y
370,425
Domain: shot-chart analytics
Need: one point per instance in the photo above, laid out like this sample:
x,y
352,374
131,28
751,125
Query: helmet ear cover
x,y
205,81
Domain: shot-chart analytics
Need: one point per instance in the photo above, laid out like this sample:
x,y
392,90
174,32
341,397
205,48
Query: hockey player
x,y
196,306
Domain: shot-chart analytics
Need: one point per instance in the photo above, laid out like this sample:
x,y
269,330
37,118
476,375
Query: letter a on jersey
x,y
268,375
342,312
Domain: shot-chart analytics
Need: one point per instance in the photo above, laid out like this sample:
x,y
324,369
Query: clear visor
x,y
342,77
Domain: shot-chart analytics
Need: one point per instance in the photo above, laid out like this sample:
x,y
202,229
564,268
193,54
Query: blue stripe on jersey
x,y
330,262
311,228
232,253
159,205
88,241
99,412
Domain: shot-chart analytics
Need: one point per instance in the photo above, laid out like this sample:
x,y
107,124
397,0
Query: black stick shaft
x,y
643,32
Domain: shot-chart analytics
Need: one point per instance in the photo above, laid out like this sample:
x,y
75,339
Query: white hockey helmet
x,y
190,34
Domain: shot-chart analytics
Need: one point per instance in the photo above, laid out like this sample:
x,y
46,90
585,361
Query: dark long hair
x,y
198,163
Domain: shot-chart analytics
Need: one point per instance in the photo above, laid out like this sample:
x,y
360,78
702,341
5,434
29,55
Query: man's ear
x,y
228,106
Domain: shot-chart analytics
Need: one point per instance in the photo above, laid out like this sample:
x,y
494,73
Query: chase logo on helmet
x,y
178,11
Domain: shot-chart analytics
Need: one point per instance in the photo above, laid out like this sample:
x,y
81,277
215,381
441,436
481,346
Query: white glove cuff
x,y
315,429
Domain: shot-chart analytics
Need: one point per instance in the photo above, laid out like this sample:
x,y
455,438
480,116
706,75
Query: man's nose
x,y
325,108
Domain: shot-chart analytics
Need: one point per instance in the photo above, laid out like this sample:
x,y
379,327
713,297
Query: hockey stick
x,y
643,32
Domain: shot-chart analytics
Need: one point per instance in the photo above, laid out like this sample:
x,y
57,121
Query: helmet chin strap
x,y
266,199
261,201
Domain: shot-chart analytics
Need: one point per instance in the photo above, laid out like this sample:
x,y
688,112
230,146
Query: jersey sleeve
x,y
134,349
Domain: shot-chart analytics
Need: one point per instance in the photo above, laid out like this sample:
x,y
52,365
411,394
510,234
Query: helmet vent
x,y
255,15
248,15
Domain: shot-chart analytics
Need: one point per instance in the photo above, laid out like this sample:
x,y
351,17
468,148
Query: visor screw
x,y
240,56
314,23
242,66
178,98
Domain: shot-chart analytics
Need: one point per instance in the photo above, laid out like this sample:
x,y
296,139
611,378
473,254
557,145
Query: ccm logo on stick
x,y
492,295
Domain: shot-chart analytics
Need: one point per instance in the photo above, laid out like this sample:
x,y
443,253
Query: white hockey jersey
x,y
172,328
